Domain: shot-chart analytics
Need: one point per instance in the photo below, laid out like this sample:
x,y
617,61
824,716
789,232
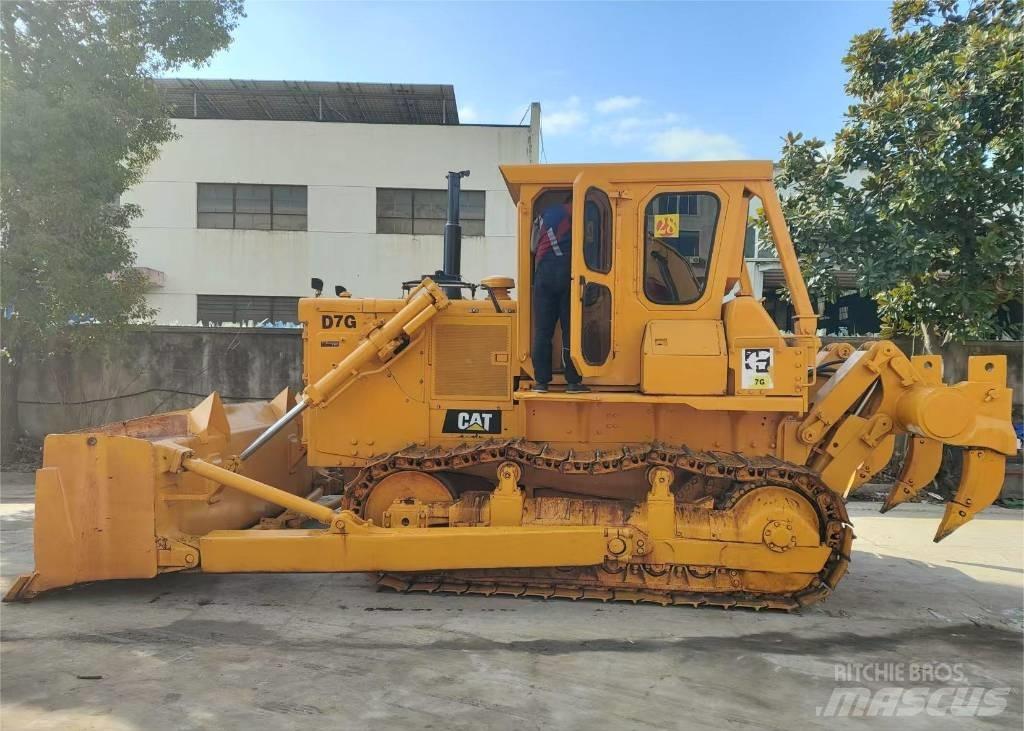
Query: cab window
x,y
596,325
597,231
679,233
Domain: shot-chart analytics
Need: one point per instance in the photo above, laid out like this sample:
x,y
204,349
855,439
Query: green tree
x,y
923,194
80,121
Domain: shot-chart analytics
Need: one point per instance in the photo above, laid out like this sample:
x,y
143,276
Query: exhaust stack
x,y
452,271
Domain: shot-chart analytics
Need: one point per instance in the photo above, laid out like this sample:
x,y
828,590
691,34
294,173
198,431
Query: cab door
x,y
592,290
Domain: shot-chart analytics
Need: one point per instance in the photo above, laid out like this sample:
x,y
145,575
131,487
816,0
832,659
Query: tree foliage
x,y
80,122
923,194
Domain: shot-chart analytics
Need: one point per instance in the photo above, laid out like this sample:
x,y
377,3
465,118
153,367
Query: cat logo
x,y
472,422
756,369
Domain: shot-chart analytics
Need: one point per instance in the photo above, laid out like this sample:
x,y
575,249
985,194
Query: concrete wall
x,y
174,368
160,370
342,165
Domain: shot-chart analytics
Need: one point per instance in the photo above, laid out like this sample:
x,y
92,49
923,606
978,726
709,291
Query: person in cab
x,y
551,245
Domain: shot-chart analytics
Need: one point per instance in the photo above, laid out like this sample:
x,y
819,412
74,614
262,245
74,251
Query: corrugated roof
x,y
310,101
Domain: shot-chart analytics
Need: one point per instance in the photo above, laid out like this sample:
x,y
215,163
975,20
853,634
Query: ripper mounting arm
x,y
878,393
381,344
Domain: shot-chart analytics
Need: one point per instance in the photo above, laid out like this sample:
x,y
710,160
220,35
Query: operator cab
x,y
660,299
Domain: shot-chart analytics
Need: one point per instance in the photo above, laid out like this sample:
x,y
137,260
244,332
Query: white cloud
x,y
686,143
468,114
566,117
632,129
617,104
640,134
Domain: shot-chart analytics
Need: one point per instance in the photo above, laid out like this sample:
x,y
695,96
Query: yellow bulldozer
x,y
708,464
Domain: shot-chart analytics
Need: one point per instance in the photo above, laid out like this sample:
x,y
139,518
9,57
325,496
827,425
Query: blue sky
x,y
617,81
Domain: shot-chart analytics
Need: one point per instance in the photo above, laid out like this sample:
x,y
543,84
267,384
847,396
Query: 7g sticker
x,y
756,368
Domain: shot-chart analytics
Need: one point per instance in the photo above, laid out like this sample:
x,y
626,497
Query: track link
x,y
632,582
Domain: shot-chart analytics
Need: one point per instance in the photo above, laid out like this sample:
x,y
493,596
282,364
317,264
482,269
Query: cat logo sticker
x,y
756,368
472,422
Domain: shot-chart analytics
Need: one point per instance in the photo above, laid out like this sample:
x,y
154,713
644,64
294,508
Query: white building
x,y
272,183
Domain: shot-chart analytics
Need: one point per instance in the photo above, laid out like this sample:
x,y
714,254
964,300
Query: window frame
x,y
271,215
412,218
711,249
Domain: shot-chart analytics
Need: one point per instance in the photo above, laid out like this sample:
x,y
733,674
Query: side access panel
x,y
684,357
384,410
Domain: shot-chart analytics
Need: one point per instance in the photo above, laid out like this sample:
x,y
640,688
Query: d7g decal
x,y
756,368
459,421
346,321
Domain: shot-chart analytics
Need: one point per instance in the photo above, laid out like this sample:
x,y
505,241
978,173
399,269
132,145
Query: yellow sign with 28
x,y
666,225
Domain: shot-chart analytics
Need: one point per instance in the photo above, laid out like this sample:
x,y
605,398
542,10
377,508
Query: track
x,y
664,584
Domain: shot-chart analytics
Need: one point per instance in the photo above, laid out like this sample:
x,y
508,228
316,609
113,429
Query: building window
x,y
688,243
844,312
254,207
221,308
684,205
409,211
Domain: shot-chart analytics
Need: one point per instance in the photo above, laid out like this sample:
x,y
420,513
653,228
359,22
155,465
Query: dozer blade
x,y
924,457
980,484
106,508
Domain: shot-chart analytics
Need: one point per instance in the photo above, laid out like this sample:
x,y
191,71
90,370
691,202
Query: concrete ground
x,y
300,651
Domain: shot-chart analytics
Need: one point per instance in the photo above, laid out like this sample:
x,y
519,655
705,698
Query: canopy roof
x,y
563,175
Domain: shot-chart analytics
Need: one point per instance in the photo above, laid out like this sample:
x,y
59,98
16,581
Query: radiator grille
x,y
464,361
